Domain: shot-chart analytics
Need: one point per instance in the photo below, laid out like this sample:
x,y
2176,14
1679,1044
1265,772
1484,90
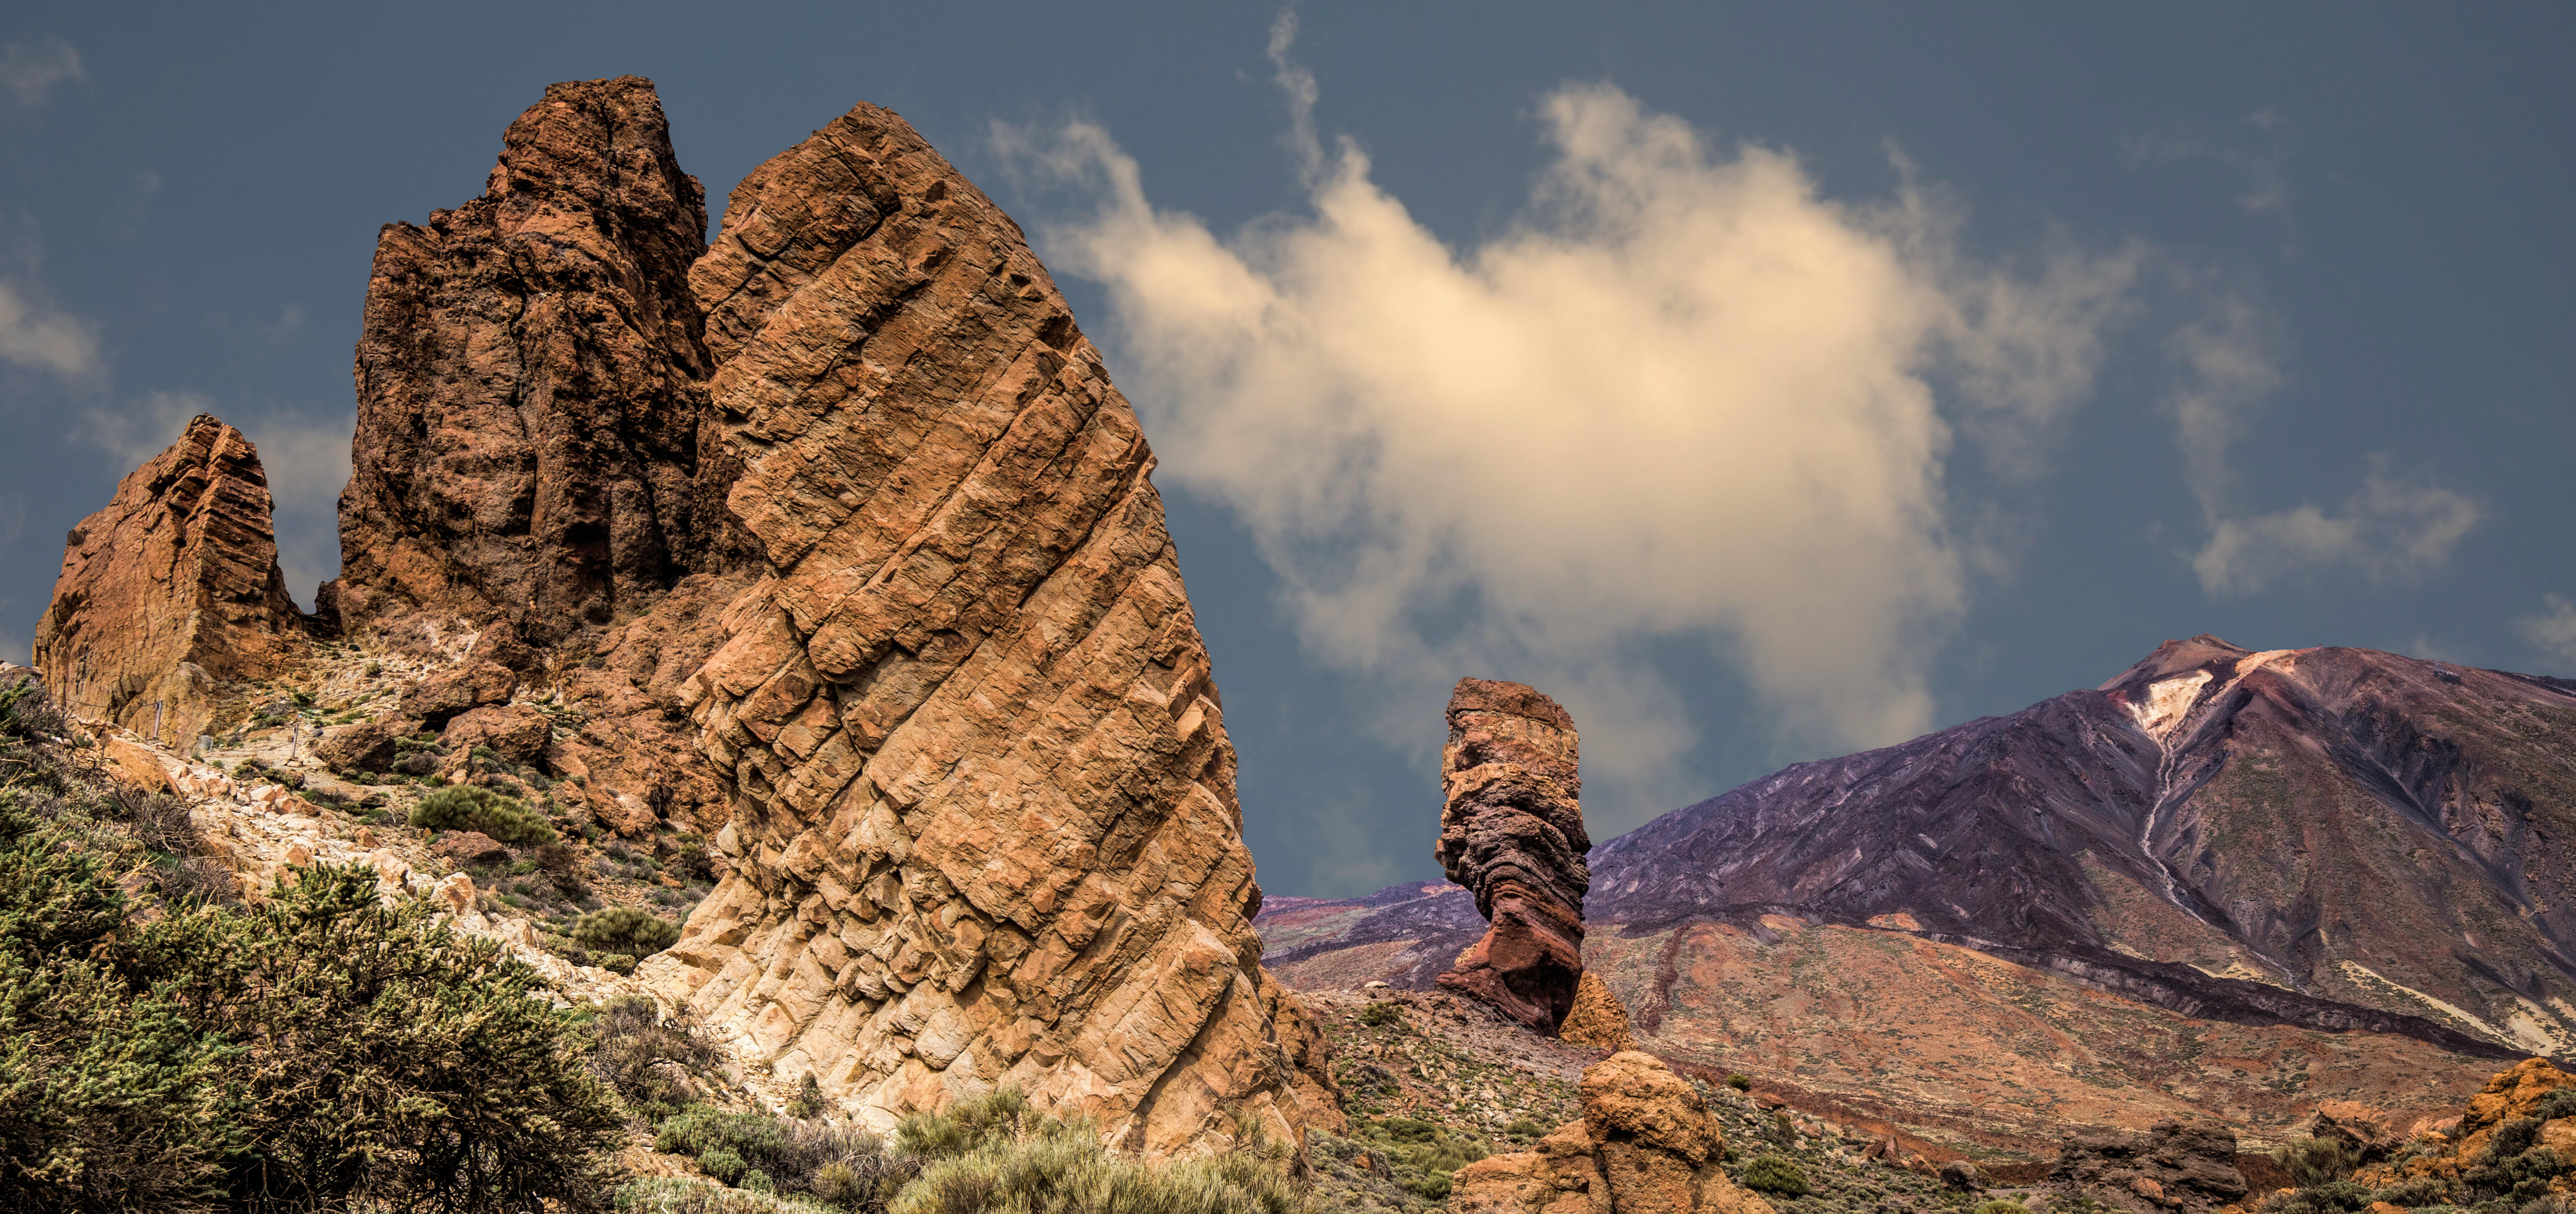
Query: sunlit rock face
x,y
1511,831
171,591
984,821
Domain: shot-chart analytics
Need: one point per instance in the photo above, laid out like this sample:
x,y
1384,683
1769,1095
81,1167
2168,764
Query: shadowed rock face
x,y
1512,833
171,591
984,819
530,446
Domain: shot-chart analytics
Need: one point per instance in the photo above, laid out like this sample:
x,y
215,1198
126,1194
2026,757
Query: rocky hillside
x,y
2244,883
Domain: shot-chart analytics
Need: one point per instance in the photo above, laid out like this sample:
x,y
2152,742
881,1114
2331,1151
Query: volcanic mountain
x,y
2225,880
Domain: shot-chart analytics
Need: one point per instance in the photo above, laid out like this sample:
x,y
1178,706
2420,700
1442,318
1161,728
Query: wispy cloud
x,y
43,338
307,464
30,70
1686,396
2262,157
2393,530
2553,632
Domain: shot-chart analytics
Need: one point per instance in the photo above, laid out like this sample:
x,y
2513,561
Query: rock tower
x,y
1512,832
171,592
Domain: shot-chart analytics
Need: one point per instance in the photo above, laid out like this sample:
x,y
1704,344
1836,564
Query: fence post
x,y
156,720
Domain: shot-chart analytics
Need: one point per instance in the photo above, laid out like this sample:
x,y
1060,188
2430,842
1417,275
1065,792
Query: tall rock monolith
x,y
1512,833
531,448
984,827
171,592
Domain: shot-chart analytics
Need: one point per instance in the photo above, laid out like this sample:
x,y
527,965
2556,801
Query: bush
x,y
1775,1174
2314,1161
1379,1015
648,1057
466,807
723,1163
1061,1166
2001,1206
625,929
730,1146
1740,1082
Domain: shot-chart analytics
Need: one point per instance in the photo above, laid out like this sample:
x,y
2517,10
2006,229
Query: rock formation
x,y
1645,1145
530,448
171,592
984,823
2177,1165
1512,833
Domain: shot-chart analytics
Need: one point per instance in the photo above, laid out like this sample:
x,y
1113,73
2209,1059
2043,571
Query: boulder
x,y
364,746
460,689
1646,1143
1512,832
1598,1019
470,847
171,592
982,821
2176,1165
136,765
531,450
516,733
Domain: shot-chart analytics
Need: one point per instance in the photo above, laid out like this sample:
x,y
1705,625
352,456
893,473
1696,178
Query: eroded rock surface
x,y
984,821
531,400
171,592
2177,1165
1512,833
1645,1143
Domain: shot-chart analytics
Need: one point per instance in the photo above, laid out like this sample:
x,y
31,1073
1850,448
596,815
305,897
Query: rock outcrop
x,y
2177,1165
1645,1143
531,449
171,592
984,826
1512,833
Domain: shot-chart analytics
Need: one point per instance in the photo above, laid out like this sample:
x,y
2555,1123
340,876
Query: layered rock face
x,y
2177,1165
1645,1145
531,404
984,822
1512,833
171,591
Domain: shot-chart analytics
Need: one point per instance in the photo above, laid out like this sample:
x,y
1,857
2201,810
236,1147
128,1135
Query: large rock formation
x,y
985,827
171,592
2178,1165
1512,833
1645,1145
529,449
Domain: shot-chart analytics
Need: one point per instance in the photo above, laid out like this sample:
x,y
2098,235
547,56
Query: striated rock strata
x,y
2177,1165
1645,1143
530,448
171,591
1512,833
984,822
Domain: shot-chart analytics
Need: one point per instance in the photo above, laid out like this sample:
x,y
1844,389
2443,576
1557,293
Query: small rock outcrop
x,y
2176,1165
984,826
1512,833
171,592
1646,1143
531,387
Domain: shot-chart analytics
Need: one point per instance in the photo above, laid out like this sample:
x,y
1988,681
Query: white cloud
x,y
307,465
2392,530
1687,396
30,72
2553,632
36,336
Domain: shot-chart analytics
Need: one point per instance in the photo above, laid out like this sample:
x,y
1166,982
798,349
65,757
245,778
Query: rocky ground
x,y
1433,1081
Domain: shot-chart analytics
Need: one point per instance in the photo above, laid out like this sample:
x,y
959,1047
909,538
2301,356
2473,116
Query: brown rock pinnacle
x,y
1512,832
171,591
984,822
1645,1145
530,386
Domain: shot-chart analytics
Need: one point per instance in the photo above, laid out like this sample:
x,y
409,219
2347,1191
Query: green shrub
x,y
467,807
759,1182
615,963
625,929
1776,1174
1379,1015
1740,1082
687,1195
723,1163
2314,1161
1061,1166
809,1098
2001,1206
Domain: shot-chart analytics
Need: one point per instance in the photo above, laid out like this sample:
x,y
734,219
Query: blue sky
x,y
1766,383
